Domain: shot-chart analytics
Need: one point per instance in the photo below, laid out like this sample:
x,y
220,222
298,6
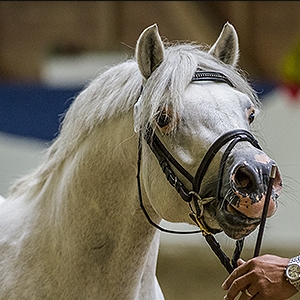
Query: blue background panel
x,y
33,110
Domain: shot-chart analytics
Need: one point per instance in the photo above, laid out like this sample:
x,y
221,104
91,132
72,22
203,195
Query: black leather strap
x,y
237,135
200,75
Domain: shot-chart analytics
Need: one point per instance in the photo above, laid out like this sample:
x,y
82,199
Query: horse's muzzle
x,y
240,208
249,184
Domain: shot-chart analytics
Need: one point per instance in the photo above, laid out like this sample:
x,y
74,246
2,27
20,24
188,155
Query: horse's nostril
x,y
242,180
245,179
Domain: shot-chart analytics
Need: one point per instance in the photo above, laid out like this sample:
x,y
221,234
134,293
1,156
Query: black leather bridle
x,y
192,197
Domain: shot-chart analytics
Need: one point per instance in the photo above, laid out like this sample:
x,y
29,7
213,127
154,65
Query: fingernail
x,y
225,297
224,286
240,261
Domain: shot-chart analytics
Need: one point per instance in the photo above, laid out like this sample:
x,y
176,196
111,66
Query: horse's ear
x,y
226,48
149,50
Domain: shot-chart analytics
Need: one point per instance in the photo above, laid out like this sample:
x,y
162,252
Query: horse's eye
x,y
163,120
251,117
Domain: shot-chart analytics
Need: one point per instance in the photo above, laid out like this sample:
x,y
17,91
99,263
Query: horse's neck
x,y
88,209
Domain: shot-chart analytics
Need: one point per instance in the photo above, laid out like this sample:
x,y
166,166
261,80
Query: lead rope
x,y
265,211
215,246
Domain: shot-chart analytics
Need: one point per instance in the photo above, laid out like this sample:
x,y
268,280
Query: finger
x,y
240,284
247,295
240,262
239,271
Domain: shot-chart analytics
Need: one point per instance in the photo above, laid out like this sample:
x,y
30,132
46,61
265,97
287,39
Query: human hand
x,y
260,278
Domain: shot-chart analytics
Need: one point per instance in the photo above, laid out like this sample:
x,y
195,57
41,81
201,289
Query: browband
x,y
200,75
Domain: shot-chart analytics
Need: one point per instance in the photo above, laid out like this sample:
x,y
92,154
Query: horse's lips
x,y
234,223
229,220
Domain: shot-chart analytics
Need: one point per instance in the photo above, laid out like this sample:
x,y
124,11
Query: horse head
x,y
193,99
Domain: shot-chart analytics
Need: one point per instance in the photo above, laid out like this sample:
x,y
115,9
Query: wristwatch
x,y
292,272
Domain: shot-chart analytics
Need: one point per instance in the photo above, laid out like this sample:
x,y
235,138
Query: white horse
x,y
75,229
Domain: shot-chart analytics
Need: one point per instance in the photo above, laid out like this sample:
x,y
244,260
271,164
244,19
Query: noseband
x,y
192,196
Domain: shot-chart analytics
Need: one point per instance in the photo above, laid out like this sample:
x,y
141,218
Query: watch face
x,y
293,272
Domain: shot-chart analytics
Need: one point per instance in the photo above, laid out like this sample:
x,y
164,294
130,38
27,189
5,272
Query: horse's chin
x,y
234,224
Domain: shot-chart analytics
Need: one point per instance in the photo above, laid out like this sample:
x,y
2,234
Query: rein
x,y
165,158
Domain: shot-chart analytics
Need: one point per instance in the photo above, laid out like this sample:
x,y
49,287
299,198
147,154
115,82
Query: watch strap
x,y
295,260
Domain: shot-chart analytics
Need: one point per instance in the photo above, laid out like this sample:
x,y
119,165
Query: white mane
x,y
112,93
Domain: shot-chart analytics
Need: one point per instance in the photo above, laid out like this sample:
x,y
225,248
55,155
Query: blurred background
x,y
50,50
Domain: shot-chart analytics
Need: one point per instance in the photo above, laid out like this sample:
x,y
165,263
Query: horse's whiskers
x,y
229,197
